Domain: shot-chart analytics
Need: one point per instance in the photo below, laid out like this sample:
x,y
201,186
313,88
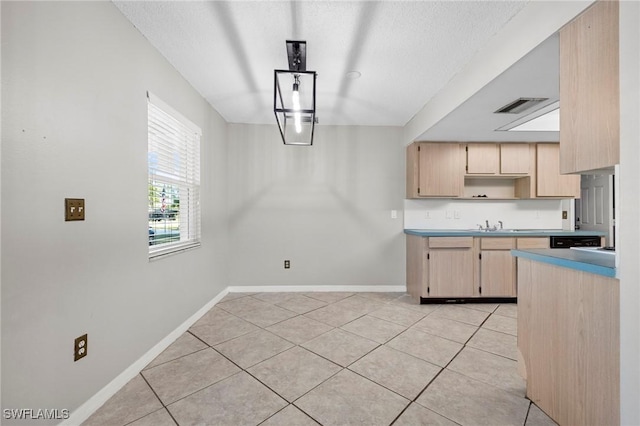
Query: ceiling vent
x,y
519,105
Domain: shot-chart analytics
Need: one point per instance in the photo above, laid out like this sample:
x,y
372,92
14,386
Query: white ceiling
x,y
534,76
407,51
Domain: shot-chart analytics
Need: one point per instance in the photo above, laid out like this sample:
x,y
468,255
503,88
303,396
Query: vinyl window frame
x,y
173,159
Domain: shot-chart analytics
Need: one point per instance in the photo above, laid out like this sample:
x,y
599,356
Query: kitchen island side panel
x,y
568,336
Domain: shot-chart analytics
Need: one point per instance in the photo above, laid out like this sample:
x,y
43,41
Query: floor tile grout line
x,y
464,345
528,411
382,303
161,401
147,368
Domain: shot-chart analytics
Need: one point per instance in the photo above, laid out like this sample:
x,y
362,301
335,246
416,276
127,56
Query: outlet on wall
x,y
287,264
80,347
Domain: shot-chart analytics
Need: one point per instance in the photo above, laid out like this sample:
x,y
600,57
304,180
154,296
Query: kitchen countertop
x,y
499,233
586,261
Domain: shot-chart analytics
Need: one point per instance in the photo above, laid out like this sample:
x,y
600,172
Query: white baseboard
x,y
312,288
83,412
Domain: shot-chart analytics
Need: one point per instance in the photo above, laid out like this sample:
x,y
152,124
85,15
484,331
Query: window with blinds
x,y
174,180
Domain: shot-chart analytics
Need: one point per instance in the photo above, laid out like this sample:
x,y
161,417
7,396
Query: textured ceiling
x,y
406,51
534,76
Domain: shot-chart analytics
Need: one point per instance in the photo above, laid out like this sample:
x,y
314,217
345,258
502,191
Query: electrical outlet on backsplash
x,y
467,214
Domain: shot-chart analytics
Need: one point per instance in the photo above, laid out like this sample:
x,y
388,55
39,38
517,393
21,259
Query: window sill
x,y
163,252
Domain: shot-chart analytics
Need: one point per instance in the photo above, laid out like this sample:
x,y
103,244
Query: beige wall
x,y
74,122
327,207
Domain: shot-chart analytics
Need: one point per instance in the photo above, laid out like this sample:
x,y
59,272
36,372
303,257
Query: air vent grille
x,y
519,105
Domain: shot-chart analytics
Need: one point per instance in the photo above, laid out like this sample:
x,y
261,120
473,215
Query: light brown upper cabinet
x,y
514,158
482,158
434,170
492,159
590,90
545,180
549,181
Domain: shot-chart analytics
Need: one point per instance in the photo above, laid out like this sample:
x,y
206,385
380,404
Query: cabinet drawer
x,y
497,243
450,242
532,242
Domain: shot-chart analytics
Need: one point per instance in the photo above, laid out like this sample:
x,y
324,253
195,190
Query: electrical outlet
x,y
80,347
564,214
287,264
73,209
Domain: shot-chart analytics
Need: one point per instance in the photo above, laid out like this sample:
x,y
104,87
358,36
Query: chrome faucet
x,y
489,227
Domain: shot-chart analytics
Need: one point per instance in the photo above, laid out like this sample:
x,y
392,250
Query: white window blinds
x,y
174,180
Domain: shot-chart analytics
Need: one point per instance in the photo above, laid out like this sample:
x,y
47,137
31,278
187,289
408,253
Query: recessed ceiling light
x,y
545,119
548,122
352,75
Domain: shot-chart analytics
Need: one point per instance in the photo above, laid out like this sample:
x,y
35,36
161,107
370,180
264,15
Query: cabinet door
x,y
550,183
590,90
441,172
514,158
450,272
482,158
497,273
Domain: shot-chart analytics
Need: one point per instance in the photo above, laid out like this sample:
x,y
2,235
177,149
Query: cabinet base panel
x,y
427,300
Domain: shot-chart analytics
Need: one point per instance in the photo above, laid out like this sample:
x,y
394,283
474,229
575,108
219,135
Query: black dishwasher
x,y
568,241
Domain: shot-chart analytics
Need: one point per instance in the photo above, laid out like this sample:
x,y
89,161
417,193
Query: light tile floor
x,y
333,359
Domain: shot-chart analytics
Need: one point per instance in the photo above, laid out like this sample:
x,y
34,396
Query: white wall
x,y
628,220
467,214
74,121
327,207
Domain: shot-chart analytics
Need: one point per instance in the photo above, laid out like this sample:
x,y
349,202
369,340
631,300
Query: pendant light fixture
x,y
294,97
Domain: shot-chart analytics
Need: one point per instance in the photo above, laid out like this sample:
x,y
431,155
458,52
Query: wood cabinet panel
x,y
434,170
497,243
532,242
514,158
568,336
589,90
416,266
450,242
482,158
497,273
440,170
450,272
550,183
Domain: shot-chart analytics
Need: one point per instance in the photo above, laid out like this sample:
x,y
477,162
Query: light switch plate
x,y
73,209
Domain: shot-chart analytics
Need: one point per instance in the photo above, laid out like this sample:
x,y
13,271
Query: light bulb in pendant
x,y
295,99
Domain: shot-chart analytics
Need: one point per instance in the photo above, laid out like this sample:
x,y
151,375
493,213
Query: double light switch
x,y
73,209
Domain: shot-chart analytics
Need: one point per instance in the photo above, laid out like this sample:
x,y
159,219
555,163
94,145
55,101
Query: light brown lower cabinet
x,y
569,342
450,267
464,267
496,267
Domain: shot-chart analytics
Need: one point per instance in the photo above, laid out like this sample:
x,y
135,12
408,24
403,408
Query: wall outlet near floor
x,y
287,264
80,347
